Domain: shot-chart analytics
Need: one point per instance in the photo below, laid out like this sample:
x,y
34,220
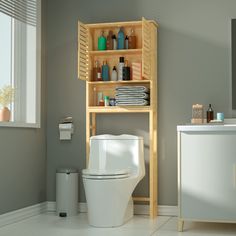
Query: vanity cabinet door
x,y
207,184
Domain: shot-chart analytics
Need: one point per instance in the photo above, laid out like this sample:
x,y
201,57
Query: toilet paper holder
x,y
66,128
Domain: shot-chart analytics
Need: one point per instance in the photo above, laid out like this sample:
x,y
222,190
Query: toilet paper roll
x,y
65,135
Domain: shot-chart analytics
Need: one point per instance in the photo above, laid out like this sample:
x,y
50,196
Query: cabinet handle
x,y
234,175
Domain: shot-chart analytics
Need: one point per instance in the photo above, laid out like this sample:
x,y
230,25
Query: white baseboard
x,y
82,207
167,210
21,214
162,210
138,209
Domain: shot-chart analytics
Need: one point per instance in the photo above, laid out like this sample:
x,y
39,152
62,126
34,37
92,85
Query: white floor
x,y
51,225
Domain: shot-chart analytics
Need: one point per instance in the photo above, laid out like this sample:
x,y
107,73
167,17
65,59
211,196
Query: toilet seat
x,y
105,174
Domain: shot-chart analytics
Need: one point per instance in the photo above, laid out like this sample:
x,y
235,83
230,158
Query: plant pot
x,y
5,114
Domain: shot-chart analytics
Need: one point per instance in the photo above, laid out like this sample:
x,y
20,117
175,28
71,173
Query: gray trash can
x,y
67,192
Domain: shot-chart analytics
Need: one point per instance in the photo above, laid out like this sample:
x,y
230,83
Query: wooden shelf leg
x,y
90,130
87,137
93,124
153,164
180,225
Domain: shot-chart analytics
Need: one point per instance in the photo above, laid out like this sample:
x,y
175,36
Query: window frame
x,y
37,123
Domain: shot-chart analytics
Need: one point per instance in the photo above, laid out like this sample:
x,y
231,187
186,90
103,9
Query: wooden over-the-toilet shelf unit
x,y
144,53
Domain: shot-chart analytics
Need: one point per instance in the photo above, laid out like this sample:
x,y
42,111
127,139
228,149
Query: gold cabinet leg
x,y
180,225
153,163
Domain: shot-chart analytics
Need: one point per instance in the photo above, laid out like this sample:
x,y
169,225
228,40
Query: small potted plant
x,y
6,98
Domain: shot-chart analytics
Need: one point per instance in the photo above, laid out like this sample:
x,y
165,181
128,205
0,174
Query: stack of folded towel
x,y
132,96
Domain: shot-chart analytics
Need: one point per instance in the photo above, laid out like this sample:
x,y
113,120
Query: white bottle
x,y
120,68
114,74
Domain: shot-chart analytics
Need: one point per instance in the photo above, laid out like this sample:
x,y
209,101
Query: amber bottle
x,y
210,114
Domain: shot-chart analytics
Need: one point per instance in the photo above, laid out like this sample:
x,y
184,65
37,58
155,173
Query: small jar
x,y
106,101
101,102
112,101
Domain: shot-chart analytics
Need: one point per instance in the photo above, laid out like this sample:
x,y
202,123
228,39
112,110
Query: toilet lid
x,y
106,174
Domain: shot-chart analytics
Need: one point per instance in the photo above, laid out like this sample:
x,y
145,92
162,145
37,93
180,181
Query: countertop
x,y
228,125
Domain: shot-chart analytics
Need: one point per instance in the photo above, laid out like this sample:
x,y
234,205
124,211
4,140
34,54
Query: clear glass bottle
x,y
96,72
132,40
210,114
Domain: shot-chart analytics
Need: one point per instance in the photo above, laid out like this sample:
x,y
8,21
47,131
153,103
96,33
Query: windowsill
x,y
19,124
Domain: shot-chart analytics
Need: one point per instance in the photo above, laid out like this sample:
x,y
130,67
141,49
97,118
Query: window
x,y
20,59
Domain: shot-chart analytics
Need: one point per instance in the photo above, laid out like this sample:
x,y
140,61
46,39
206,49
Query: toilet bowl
x,y
116,165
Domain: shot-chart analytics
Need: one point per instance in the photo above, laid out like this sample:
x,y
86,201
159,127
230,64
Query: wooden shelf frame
x,y
148,54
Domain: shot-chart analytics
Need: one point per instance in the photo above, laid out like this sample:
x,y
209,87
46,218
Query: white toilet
x,y
116,165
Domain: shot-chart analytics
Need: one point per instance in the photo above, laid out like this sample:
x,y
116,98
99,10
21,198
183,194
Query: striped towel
x,y
131,95
136,89
132,102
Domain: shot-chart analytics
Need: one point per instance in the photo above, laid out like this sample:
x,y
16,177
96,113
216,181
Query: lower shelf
x,y
117,109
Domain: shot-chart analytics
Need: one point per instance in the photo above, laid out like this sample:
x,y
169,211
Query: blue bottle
x,y
105,71
121,39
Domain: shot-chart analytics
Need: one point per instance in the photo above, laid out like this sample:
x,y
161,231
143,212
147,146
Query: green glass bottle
x,y
102,42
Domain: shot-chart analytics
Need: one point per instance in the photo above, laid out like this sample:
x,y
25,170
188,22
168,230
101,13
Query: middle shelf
x,y
119,93
118,82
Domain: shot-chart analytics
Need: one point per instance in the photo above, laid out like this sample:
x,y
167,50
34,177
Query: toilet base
x,y
107,223
129,211
109,206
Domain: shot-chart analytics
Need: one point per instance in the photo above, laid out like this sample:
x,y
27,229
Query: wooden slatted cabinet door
x,y
83,47
146,49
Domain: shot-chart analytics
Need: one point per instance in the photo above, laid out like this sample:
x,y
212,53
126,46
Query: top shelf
x,y
118,24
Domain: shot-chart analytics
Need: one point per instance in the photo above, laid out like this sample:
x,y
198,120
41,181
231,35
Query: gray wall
x,y
23,159
194,67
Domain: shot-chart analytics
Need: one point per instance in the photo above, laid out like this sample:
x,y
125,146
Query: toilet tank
x,y
115,152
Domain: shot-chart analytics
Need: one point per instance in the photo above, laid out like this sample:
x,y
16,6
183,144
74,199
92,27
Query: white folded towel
x,y
131,95
141,89
131,102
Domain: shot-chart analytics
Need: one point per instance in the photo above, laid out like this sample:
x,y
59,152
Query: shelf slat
x,y
119,109
119,82
141,199
115,52
111,25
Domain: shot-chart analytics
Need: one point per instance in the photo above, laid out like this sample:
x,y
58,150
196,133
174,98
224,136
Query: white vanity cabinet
x,y
207,173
